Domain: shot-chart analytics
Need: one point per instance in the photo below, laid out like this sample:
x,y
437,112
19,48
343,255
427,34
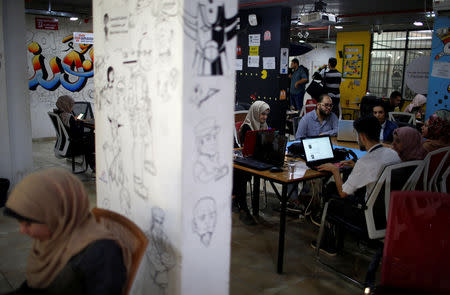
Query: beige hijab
x,y
58,199
65,105
252,118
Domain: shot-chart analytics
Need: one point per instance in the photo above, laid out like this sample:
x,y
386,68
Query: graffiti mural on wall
x,y
72,72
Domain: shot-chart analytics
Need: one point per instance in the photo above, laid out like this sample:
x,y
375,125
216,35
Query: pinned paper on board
x,y
238,64
253,61
284,60
254,40
441,69
253,50
269,63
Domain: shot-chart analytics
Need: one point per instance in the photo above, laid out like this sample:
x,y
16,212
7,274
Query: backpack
x,y
306,70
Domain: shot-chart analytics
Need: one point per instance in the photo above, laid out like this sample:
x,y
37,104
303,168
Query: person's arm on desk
x,y
334,122
337,177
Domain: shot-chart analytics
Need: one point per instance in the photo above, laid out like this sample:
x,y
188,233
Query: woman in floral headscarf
x,y
436,130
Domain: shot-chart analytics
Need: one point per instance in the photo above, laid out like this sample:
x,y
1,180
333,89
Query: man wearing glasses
x,y
320,122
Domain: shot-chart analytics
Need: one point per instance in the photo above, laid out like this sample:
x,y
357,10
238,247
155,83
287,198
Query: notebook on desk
x,y
269,151
346,132
318,151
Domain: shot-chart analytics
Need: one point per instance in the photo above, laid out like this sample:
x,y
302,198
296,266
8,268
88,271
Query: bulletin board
x,y
352,62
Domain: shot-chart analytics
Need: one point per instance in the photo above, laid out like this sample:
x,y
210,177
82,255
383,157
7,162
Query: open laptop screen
x,y
270,148
318,148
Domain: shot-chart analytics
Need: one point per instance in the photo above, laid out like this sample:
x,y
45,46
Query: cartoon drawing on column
x,y
208,165
105,25
159,254
210,30
167,83
107,92
204,220
140,112
114,165
201,95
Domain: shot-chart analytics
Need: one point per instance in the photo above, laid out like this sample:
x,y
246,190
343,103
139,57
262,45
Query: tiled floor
x,y
254,250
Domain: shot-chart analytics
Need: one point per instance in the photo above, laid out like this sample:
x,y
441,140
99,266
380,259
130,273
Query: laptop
x,y
269,151
346,132
318,151
250,141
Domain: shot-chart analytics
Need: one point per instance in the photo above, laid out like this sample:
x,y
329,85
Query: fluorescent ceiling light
x,y
302,41
338,27
74,18
418,24
330,42
413,38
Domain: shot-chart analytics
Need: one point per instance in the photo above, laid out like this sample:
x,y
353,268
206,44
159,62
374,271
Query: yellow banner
x,y
254,50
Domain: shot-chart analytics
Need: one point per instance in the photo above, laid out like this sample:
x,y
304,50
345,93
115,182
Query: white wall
x,y
51,42
316,58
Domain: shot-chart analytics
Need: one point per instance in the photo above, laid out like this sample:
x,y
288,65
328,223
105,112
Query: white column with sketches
x,y
164,98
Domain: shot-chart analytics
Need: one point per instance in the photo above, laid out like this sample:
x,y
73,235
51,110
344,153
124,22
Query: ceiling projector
x,y
318,19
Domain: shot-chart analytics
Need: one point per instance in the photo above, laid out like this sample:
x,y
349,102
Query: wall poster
x,y
353,61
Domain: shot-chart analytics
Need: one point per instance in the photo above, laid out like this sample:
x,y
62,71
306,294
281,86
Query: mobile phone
x,y
80,116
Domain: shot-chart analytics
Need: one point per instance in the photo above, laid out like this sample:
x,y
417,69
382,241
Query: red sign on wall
x,y
43,23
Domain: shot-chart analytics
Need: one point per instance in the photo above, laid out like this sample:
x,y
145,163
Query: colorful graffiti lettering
x,y
73,64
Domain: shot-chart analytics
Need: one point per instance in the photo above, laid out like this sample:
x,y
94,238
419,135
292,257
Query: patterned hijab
x,y
58,199
252,118
418,101
411,141
439,125
65,105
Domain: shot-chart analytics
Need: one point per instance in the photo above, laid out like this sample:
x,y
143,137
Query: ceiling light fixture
x,y
73,18
418,24
338,27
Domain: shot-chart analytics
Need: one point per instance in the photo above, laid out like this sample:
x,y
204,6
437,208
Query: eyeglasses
x,y
327,105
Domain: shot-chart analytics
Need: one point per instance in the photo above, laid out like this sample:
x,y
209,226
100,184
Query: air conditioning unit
x,y
441,5
318,19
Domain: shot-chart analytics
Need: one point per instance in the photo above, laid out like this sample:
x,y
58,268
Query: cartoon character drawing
x,y
444,35
210,30
160,255
208,165
204,220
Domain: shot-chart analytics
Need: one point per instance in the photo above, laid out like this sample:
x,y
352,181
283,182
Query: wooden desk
x,y
284,179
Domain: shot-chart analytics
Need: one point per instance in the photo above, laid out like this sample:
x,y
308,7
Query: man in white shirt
x,y
364,174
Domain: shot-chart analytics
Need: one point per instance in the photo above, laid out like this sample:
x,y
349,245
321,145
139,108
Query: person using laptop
x,y
320,122
255,120
364,175
387,127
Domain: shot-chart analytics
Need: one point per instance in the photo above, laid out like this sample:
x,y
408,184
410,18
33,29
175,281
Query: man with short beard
x,y
320,122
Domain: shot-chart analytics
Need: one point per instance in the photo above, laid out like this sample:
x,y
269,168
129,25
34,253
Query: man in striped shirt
x,y
331,80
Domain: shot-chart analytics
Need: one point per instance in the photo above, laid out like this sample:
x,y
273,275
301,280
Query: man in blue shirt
x,y
298,81
321,121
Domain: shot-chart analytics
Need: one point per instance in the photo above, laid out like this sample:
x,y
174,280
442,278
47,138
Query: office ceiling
x,y
353,15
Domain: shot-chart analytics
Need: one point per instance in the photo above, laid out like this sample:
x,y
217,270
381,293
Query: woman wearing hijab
x,y
71,253
255,120
84,141
417,106
436,130
408,144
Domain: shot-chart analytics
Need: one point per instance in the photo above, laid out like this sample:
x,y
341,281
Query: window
x,y
391,53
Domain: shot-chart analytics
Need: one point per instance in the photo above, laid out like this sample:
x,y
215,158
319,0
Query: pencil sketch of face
x,y
110,76
205,218
206,134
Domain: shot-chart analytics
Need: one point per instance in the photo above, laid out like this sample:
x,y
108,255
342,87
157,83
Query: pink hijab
x,y
411,141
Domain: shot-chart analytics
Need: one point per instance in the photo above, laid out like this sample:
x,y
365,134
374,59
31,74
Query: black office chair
x,y
375,211
66,147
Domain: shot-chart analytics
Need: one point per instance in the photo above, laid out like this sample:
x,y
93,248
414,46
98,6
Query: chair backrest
x,y
434,162
61,148
393,177
416,252
445,185
132,236
403,117
240,115
237,126
83,107
307,108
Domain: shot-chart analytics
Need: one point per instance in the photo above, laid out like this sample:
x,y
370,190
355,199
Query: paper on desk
x,y
300,170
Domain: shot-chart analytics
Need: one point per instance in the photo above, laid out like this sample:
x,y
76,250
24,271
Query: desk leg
x,y
282,229
255,197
